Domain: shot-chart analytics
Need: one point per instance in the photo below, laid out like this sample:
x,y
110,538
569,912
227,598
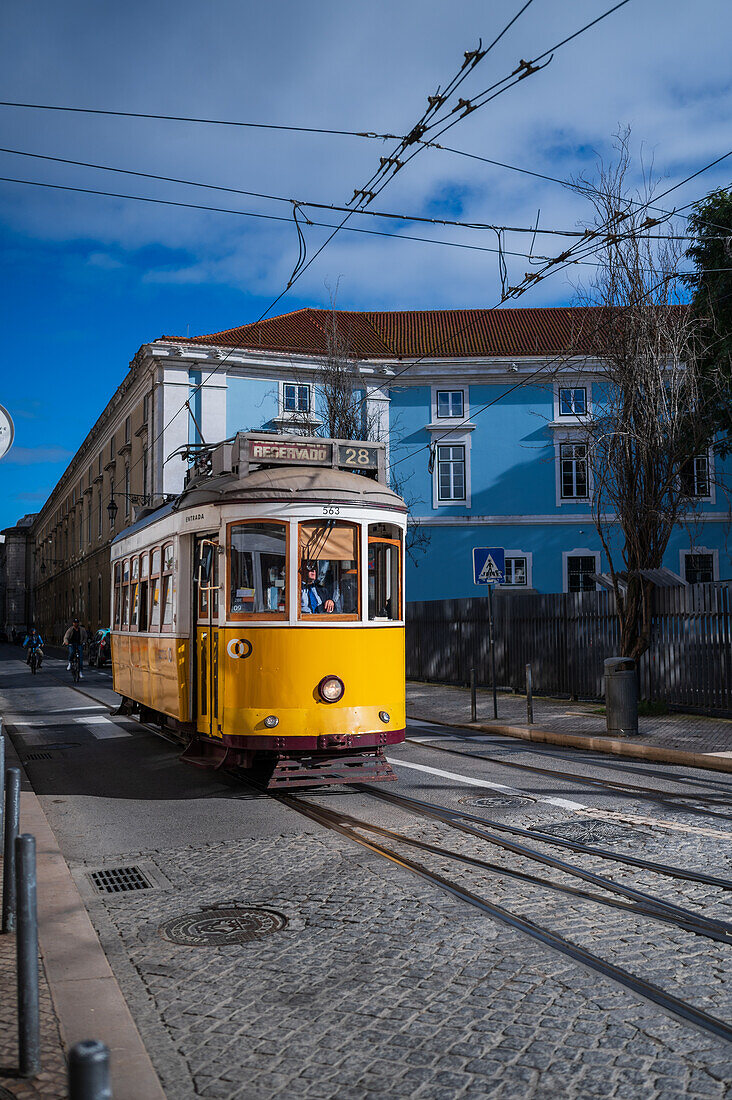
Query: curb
x,y
86,996
610,746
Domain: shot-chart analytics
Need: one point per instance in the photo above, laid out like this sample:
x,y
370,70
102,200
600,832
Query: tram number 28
x,y
357,456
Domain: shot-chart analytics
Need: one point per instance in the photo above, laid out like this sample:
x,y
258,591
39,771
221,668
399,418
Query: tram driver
x,y
317,594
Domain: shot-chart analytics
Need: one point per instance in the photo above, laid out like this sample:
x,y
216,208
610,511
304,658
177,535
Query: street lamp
x,y
112,509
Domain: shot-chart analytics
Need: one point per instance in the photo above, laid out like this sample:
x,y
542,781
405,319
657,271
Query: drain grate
x,y
219,927
119,880
37,756
590,831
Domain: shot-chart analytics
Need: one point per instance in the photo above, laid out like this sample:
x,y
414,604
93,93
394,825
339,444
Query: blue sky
x,y
87,279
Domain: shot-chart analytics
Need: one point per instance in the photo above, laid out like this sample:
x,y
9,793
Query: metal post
x,y
493,649
2,776
529,697
89,1071
473,704
29,1022
12,823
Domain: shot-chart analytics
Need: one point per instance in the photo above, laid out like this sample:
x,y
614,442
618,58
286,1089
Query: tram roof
x,y
296,484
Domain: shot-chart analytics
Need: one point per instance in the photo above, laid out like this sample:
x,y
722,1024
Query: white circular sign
x,y
7,432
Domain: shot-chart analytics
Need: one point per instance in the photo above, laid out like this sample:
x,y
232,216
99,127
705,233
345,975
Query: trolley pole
x,y
529,697
29,1023
12,824
493,649
473,703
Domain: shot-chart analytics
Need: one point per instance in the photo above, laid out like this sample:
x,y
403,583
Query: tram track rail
x,y
669,799
349,827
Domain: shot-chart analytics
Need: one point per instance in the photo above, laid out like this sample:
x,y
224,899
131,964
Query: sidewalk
x,y
79,995
688,740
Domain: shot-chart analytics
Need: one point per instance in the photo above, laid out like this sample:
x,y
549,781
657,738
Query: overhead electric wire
x,y
298,203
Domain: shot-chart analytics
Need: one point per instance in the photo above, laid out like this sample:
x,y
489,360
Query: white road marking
x,y
565,804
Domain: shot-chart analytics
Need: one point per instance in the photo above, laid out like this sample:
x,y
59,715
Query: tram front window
x,y
385,545
329,570
258,569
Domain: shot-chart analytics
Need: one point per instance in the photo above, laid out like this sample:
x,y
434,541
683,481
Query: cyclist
x,y
33,641
75,639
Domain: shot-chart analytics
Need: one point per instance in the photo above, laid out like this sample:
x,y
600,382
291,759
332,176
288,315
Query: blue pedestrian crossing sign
x,y
489,565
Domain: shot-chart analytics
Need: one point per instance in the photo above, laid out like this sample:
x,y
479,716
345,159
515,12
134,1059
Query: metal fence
x,y
567,636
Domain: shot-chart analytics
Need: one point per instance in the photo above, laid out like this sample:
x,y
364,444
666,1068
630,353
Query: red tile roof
x,y
442,333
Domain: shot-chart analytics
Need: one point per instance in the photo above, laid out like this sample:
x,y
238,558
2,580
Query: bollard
x,y
12,823
89,1071
2,776
473,703
529,697
29,1022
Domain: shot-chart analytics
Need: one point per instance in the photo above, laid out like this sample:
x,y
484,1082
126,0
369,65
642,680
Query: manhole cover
x,y
498,800
219,927
590,831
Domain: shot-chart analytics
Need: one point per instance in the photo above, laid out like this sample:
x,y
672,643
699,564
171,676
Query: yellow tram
x,y
259,617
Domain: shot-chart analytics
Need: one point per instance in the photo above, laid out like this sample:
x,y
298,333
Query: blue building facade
x,y
482,412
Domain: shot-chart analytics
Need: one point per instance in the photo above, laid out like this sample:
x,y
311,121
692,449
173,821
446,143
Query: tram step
x,y
327,769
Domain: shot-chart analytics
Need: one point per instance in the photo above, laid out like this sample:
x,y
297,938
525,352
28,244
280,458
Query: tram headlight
x,y
271,721
384,716
331,689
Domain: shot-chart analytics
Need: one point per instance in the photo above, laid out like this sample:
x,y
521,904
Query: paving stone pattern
x,y
51,1082
383,986
686,732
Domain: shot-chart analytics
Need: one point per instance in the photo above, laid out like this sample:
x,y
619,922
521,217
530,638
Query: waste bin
x,y
621,696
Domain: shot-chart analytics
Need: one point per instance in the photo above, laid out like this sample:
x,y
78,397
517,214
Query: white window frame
x,y
529,557
446,421
450,415
560,442
710,498
294,413
572,384
451,441
578,552
693,551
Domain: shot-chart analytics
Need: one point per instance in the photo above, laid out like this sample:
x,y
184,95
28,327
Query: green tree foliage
x,y
711,287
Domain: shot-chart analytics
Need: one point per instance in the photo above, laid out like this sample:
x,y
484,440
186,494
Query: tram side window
x,y
155,590
257,554
142,617
329,569
168,587
117,593
135,593
385,570
125,595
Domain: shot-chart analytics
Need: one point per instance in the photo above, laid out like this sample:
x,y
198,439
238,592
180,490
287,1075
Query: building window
x,y
144,471
573,470
101,610
451,472
573,402
580,570
516,573
128,429
295,398
145,407
112,518
127,490
698,568
81,527
99,515
694,477
450,403
89,522
99,465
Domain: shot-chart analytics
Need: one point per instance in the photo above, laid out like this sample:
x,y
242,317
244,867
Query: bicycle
x,y
75,666
33,661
